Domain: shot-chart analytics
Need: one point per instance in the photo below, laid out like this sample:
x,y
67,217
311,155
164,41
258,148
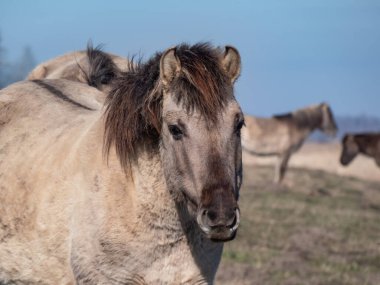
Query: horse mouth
x,y
220,233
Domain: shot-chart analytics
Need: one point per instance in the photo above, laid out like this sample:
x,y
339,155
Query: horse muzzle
x,y
345,161
219,227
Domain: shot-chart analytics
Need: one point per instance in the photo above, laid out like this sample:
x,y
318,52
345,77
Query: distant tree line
x,y
15,71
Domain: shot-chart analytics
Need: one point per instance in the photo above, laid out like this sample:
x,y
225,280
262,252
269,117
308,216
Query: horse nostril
x,y
214,219
230,218
211,215
231,215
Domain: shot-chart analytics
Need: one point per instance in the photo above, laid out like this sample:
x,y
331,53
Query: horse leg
x,y
281,166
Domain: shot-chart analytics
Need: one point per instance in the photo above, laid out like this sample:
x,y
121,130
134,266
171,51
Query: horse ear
x,y
231,63
325,114
324,105
170,66
38,73
346,138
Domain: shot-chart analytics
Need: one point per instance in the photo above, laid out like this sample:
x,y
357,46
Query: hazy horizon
x,y
294,54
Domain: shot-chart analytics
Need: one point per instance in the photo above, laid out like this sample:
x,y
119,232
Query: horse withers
x,y
282,135
141,191
365,143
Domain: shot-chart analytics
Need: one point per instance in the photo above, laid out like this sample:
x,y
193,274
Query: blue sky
x,y
294,53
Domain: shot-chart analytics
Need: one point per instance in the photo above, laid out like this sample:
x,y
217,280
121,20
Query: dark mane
x,y
133,113
285,116
102,69
368,134
361,136
303,118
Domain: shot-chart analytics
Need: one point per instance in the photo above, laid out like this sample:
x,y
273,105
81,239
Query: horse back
x,y
64,66
266,136
42,124
38,134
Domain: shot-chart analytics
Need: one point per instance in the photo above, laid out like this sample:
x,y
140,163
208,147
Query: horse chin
x,y
221,234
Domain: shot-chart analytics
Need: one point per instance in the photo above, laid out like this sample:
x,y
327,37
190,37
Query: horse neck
x,y
308,119
164,211
365,145
139,202
147,175
169,218
154,201
143,180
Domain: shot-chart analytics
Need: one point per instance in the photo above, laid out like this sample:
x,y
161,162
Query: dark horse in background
x,y
365,143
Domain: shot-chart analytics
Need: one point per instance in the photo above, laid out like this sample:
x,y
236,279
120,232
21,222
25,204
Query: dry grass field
x,y
320,228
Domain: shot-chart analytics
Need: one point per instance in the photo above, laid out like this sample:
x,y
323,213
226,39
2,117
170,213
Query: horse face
x,y
202,162
349,150
329,126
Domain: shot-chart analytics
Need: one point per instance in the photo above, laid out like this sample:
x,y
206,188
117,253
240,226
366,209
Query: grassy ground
x,y
317,229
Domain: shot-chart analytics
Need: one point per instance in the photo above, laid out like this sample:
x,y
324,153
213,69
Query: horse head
x,y
200,135
349,149
329,125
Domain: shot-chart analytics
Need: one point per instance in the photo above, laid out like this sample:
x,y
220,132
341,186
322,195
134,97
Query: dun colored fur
x,y
284,134
151,206
93,67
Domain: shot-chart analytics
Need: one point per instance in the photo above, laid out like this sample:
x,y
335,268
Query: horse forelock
x,y
202,84
134,107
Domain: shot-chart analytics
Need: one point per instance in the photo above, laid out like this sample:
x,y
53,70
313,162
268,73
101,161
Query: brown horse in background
x,y
284,134
365,143
142,191
93,67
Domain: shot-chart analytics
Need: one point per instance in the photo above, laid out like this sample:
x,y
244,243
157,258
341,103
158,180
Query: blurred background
x,y
322,225
294,53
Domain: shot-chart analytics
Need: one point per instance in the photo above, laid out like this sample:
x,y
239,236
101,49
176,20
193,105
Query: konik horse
x,y
141,191
365,143
282,135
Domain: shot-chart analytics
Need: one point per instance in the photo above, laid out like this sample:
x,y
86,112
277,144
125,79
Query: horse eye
x,y
175,132
238,127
